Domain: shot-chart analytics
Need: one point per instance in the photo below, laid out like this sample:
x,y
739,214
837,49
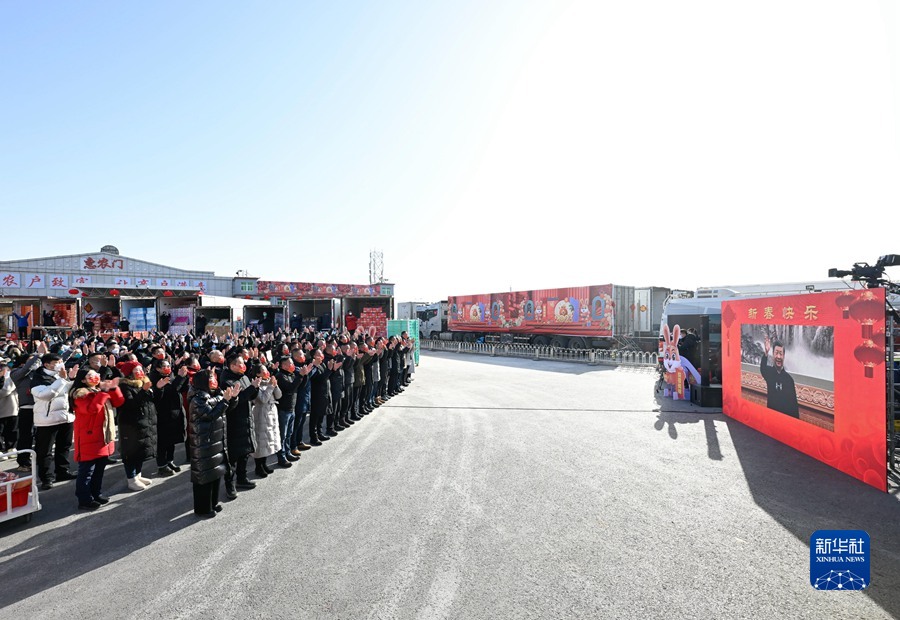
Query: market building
x,y
106,288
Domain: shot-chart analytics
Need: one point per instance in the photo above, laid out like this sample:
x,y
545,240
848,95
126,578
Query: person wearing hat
x,y
137,423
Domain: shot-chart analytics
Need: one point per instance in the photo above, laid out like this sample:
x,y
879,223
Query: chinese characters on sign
x,y
839,560
33,280
10,280
57,281
102,263
810,313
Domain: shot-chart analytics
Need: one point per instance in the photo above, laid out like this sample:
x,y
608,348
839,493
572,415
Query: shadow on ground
x,y
805,495
130,522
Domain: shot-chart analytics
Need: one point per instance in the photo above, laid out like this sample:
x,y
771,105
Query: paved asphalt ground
x,y
492,488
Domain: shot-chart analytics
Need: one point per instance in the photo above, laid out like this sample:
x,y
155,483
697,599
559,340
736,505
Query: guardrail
x,y
614,357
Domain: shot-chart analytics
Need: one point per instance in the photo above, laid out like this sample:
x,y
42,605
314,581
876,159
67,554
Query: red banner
x,y
809,371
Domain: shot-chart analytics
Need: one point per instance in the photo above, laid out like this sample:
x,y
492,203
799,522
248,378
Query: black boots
x,y
261,468
230,493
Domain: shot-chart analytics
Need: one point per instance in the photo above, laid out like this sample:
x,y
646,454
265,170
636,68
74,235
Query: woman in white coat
x,y
265,419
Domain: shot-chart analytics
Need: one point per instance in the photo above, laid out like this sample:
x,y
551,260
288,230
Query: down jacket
x,y
51,398
94,423
239,434
9,397
207,431
265,421
137,422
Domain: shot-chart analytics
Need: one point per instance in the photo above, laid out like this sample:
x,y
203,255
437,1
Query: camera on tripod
x,y
864,272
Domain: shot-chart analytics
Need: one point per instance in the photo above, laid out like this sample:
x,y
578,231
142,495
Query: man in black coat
x,y
319,398
239,422
348,366
290,379
781,391
334,363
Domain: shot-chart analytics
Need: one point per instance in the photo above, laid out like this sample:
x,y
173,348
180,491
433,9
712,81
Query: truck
x,y
432,318
596,316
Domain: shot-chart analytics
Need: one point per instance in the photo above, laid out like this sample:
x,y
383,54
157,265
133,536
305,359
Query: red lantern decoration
x,y
83,294
114,292
843,302
728,318
73,291
869,355
168,293
266,297
867,310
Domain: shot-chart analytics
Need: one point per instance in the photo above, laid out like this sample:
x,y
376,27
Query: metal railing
x,y
613,357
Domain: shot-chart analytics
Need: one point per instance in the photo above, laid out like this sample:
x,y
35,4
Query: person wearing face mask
x,y
289,382
94,429
168,398
239,420
265,419
207,419
137,423
52,419
9,408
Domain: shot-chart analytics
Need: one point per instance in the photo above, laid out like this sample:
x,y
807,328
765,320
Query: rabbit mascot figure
x,y
672,363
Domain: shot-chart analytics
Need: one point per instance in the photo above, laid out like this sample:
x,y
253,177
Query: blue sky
x,y
480,145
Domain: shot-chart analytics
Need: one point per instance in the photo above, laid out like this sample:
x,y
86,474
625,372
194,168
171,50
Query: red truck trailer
x,y
599,316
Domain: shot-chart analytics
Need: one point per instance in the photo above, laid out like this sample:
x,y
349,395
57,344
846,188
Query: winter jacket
x,y
265,421
137,422
51,398
94,422
347,369
21,376
240,434
169,408
207,430
9,398
289,383
319,393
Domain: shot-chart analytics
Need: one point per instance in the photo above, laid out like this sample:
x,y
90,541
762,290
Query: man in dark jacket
x,y
348,365
781,392
24,367
240,431
334,363
289,382
301,408
319,398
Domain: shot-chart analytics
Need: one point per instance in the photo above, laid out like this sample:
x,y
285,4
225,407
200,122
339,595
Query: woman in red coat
x,y
95,432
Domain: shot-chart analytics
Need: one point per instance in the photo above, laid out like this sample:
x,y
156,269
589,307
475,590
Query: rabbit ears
x,y
672,338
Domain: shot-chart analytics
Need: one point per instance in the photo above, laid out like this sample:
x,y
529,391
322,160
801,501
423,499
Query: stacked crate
x,y
373,321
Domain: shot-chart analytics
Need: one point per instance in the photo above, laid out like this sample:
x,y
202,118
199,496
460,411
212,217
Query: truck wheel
x,y
434,336
541,341
577,343
559,342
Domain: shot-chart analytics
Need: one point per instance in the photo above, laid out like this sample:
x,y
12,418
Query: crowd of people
x,y
119,398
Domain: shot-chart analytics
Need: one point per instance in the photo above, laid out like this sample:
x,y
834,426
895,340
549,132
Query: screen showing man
x,y
781,392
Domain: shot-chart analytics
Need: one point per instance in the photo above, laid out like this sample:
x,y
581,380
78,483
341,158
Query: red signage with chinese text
x,y
809,371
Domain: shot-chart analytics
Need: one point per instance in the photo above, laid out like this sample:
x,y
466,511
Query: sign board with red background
x,y
857,444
